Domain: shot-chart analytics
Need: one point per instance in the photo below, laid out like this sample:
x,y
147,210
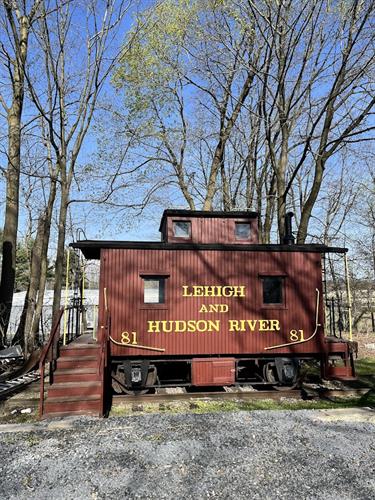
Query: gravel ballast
x,y
305,454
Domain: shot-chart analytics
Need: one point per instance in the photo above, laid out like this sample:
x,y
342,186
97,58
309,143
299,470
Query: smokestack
x,y
288,237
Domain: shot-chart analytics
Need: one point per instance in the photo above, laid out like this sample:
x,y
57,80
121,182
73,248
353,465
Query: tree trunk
x,y
30,316
310,202
215,167
60,255
32,291
8,270
227,202
44,259
270,210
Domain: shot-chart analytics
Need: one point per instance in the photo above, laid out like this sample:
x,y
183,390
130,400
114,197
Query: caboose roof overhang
x,y
91,248
244,214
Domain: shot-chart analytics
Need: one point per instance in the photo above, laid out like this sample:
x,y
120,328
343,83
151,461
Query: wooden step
x,y
76,375
69,405
58,414
74,362
80,350
74,389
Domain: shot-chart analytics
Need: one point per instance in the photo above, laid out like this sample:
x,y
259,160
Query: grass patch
x,y
204,406
287,404
19,418
365,366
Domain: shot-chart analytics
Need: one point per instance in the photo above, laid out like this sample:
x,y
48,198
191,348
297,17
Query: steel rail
x,y
312,395
300,394
9,386
186,396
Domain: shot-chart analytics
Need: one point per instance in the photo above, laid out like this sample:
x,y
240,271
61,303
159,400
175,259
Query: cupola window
x,y
242,230
182,229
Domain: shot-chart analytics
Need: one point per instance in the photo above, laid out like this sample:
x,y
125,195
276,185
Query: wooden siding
x,y
212,230
121,275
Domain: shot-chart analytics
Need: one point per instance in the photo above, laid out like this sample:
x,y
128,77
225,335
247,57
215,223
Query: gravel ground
x,y
305,454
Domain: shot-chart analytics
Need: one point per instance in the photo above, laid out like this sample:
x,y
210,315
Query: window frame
x,y
153,276
284,291
237,223
176,221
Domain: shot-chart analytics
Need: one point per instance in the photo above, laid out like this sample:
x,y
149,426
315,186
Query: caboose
x,y
209,305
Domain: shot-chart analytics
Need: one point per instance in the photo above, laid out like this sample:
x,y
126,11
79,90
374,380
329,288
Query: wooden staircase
x,y
77,382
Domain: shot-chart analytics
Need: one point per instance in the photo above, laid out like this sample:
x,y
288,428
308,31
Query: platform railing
x,y
49,354
103,336
71,330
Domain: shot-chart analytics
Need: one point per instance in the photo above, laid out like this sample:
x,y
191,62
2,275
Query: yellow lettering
x,y
125,338
213,291
252,323
214,325
191,326
180,326
274,324
209,291
201,325
296,336
214,308
167,326
263,325
153,326
234,325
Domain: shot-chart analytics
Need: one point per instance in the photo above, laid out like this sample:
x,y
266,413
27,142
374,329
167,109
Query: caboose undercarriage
x,y
137,375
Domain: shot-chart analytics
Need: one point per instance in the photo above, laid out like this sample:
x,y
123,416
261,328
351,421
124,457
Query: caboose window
x,y
154,290
242,230
181,229
273,290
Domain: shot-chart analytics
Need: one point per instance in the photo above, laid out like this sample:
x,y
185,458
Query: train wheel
x,y
290,380
119,383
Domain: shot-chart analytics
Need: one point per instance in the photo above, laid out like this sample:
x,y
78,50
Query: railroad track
x,y
10,386
239,396
164,397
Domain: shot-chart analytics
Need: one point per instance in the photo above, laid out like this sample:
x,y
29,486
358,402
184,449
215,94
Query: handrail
x,y
48,347
104,340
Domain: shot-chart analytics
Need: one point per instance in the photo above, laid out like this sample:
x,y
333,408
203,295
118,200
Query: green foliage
x,y
169,43
153,50
23,260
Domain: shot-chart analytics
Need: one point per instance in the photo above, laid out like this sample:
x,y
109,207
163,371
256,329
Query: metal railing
x,y
49,354
51,351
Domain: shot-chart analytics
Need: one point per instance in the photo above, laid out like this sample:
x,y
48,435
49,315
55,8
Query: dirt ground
x,y
311,455
366,344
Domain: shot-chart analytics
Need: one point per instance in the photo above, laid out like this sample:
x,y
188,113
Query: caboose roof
x,y
91,248
244,214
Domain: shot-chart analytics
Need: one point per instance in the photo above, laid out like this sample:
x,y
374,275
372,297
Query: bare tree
x,y
17,20
72,94
294,83
317,88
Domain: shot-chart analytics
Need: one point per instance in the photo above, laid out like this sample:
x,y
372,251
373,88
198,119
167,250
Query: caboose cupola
x,y
193,226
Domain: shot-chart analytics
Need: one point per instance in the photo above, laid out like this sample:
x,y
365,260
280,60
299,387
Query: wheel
x,y
119,385
270,376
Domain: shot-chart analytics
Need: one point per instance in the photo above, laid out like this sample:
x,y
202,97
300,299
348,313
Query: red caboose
x,y
209,305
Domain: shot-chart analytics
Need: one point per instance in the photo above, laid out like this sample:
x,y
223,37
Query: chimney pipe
x,y
288,237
